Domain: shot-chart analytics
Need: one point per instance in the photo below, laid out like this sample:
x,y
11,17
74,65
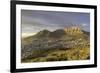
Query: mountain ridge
x,y
58,32
61,38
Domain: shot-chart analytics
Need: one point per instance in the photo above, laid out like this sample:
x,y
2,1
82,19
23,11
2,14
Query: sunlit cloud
x,y
27,34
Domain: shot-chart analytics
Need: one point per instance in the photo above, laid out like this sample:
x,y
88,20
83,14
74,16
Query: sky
x,y
33,21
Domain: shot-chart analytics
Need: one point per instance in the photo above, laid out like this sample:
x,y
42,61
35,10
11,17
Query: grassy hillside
x,y
62,55
59,45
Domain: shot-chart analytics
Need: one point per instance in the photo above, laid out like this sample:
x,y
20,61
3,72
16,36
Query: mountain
x,y
59,32
47,41
44,33
54,34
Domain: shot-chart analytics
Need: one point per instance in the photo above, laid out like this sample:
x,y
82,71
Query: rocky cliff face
x,y
73,30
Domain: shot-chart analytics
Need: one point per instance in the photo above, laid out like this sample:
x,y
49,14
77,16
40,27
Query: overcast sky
x,y
35,20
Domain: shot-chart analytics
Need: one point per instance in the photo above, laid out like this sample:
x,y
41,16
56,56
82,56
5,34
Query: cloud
x,y
35,20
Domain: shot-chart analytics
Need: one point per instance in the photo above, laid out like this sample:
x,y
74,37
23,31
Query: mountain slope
x,y
46,42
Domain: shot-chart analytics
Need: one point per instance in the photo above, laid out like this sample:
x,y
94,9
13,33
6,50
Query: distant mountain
x,y
44,33
54,34
46,40
59,32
